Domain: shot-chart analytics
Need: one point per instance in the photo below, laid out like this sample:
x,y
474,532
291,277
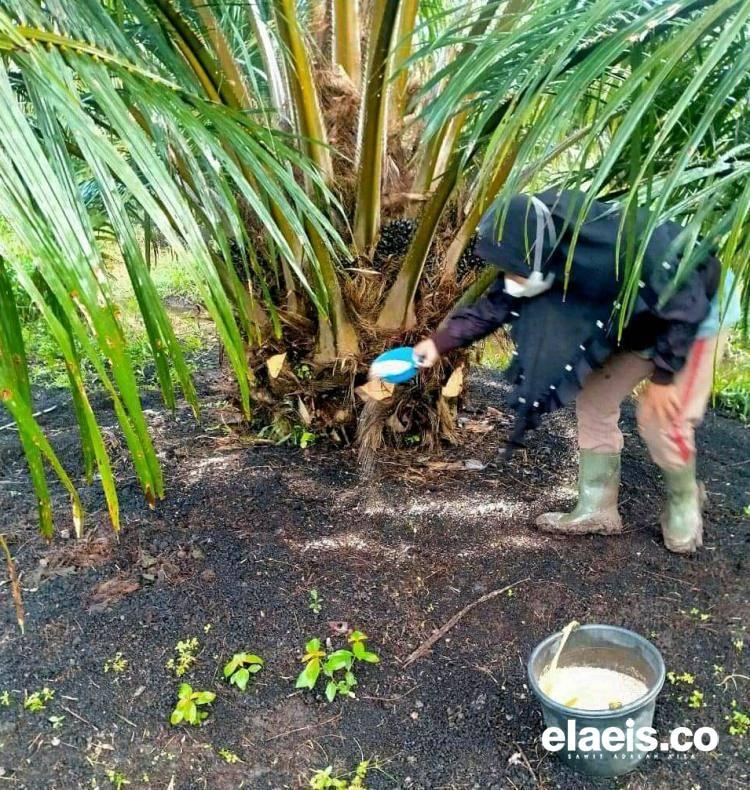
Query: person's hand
x,y
426,353
661,401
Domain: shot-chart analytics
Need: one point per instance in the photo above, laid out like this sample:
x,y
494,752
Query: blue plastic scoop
x,y
395,366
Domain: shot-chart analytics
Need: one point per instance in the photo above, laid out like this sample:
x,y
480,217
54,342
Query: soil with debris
x,y
248,530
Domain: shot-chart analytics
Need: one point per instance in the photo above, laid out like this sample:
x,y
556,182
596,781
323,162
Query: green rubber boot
x,y
598,488
682,519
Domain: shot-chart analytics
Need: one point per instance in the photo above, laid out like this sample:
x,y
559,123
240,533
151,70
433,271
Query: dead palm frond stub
x,y
270,144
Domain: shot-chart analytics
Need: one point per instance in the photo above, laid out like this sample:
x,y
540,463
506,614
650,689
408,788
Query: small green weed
x,y
241,667
739,721
324,779
336,666
116,779
5,699
56,721
188,705
186,650
229,756
302,438
695,700
116,665
37,701
738,645
685,678
315,603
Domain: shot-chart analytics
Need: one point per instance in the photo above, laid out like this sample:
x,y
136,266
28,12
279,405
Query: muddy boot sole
x,y
606,522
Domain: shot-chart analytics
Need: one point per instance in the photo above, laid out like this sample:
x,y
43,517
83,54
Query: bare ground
x,y
247,531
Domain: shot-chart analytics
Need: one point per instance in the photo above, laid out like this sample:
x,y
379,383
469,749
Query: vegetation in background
x,y
224,133
732,382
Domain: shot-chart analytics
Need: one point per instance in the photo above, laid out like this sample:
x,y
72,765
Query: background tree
x,y
268,141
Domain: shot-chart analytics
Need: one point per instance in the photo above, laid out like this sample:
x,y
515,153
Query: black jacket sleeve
x,y
473,322
679,320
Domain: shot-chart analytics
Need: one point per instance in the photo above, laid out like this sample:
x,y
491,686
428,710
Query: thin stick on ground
x,y
437,635
15,587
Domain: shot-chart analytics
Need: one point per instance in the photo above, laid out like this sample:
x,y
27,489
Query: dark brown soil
x,y
245,533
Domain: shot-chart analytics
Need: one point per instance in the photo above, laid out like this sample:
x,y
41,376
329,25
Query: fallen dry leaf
x,y
275,364
455,384
111,591
375,389
304,413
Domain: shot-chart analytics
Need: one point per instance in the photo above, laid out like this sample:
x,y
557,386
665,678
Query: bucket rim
x,y
631,707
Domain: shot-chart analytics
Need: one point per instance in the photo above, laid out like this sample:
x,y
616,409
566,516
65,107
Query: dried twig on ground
x,y
437,635
15,587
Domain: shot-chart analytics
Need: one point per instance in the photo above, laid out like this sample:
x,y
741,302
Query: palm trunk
x,y
303,87
230,73
482,199
346,47
268,54
337,337
407,18
398,310
372,128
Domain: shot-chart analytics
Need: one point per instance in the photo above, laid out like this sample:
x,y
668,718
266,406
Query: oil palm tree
x,y
269,141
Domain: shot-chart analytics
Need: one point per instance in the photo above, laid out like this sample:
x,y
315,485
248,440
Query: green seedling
x,y
698,615
228,756
116,665
695,700
337,666
312,660
316,601
718,670
241,667
188,705
738,645
739,721
186,650
5,699
116,779
685,678
56,721
37,701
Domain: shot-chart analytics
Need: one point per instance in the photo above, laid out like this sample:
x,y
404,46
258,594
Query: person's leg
x,y
598,403
600,442
673,449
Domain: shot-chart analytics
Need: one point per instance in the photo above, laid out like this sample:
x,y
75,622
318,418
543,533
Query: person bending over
x,y
565,331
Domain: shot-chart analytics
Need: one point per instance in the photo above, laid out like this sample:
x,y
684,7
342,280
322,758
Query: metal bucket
x,y
613,648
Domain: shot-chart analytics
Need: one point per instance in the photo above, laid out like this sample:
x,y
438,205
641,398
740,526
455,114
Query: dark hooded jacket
x,y
564,333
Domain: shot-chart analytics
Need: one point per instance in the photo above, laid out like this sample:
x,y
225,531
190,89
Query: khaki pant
x,y
598,403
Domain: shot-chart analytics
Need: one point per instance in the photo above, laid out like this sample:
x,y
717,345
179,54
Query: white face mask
x,y
533,285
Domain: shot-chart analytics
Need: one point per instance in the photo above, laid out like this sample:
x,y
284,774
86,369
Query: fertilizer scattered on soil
x,y
591,688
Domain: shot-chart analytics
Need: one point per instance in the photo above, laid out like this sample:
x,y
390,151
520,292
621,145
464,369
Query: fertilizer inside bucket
x,y
591,688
